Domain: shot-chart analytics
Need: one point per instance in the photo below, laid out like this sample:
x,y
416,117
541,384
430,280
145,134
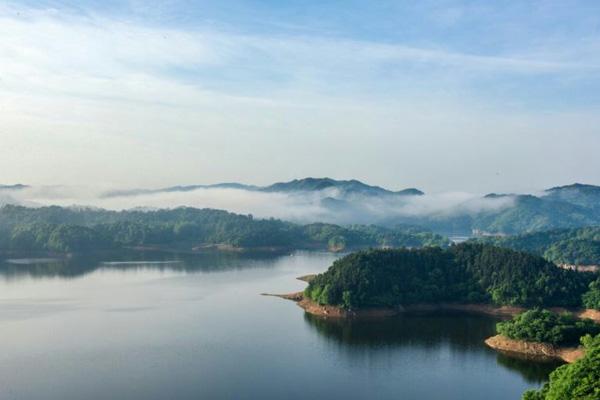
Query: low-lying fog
x,y
326,205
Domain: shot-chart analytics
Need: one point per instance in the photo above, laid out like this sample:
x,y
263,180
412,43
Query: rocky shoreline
x,y
314,308
534,350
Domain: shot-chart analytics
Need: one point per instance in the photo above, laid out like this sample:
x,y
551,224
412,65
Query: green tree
x,y
591,298
577,381
545,326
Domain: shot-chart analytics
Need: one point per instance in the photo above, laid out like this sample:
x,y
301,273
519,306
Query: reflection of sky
x,y
72,267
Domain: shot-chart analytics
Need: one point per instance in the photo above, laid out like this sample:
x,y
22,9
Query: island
x,y
467,277
547,302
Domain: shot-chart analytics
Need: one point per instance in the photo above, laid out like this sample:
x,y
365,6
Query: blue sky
x,y
441,95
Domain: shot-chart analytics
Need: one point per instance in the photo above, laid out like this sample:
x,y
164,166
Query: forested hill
x,y
352,201
463,273
563,246
58,229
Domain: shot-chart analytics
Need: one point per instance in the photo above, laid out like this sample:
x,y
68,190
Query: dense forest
x,y
59,229
563,246
539,325
467,272
580,380
564,207
591,298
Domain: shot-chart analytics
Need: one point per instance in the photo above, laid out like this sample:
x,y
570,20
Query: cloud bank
x,y
303,207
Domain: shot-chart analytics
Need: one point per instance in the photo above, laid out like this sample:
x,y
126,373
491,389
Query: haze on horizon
x,y
442,96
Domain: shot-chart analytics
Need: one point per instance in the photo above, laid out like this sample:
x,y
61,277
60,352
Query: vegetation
x,y
564,246
591,298
566,207
577,381
546,326
531,214
463,273
59,229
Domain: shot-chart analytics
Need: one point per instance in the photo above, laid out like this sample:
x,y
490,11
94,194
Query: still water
x,y
142,327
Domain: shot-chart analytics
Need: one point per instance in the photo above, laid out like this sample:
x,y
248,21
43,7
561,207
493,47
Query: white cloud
x,y
97,99
301,207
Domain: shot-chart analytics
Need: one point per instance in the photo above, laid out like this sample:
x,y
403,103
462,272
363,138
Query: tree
x,y
577,381
591,298
545,326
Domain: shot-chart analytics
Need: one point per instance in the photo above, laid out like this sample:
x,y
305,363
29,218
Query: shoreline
x,y
534,350
474,308
500,343
314,308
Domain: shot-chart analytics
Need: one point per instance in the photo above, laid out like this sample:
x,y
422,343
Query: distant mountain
x,y
498,195
355,202
577,193
180,188
227,185
13,187
345,187
410,192
530,213
563,207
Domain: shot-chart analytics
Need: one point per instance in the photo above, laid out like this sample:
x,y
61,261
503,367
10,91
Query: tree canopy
x,y
462,273
577,381
539,325
563,246
591,298
60,229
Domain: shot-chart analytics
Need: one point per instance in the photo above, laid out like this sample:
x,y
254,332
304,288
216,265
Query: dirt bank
x,y
377,312
534,350
594,315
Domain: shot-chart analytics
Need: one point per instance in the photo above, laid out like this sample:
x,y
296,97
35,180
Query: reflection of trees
x,y
534,371
459,331
133,260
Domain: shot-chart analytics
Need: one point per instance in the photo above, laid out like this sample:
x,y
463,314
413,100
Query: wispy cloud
x,y
100,97
54,52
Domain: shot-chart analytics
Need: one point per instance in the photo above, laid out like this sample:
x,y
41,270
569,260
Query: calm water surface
x,y
119,327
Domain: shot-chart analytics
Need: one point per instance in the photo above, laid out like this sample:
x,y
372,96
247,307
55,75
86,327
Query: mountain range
x,y
345,187
352,201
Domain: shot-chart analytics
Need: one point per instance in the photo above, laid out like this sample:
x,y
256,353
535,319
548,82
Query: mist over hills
x,y
347,202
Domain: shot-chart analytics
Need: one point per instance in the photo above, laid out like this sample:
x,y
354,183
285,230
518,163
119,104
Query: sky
x,y
439,95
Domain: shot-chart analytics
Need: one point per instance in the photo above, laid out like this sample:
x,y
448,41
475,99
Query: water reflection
x,y
77,266
127,329
534,371
428,331
459,334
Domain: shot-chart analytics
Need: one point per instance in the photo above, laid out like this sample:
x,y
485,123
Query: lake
x,y
142,326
